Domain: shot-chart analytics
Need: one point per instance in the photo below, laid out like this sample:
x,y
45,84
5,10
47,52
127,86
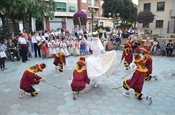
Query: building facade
x,y
65,10
164,11
95,18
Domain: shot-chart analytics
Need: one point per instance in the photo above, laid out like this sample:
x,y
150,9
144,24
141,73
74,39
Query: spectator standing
x,y
46,35
2,58
23,43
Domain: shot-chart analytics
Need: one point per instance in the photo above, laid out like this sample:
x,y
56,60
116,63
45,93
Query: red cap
x,y
41,66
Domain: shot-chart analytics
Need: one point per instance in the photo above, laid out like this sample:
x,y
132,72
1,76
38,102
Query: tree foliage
x,y
126,9
80,15
26,9
145,17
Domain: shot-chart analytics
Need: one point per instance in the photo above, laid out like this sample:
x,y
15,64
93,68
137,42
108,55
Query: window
x,y
101,23
147,7
160,6
72,9
159,23
84,1
61,6
145,25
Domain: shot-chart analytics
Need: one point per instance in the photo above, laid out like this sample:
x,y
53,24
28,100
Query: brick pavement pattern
x,y
98,101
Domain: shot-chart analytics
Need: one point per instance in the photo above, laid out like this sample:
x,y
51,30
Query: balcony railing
x,y
96,4
89,3
95,15
172,12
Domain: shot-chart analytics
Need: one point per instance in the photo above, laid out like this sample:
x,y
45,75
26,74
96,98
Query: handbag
x,y
2,54
39,43
110,46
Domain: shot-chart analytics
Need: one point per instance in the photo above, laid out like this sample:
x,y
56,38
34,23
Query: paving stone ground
x,y
98,101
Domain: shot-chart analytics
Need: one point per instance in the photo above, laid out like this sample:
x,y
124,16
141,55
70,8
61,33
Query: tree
x,y
145,17
92,12
25,9
126,9
41,9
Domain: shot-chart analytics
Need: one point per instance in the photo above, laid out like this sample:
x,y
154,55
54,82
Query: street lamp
x,y
115,17
92,12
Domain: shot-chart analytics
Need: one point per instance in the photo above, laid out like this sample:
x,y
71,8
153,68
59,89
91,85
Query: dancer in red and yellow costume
x,y
137,80
60,61
80,77
147,59
127,55
30,78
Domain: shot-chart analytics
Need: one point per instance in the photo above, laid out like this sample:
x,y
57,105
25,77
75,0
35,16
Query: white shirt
x,y
46,35
38,38
43,38
56,33
22,40
34,39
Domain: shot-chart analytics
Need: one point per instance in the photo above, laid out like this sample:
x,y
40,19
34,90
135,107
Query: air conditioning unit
x,y
64,19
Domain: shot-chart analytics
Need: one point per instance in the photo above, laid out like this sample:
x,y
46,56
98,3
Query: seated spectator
x,y
12,48
109,46
169,48
117,42
174,49
147,44
163,48
155,46
129,40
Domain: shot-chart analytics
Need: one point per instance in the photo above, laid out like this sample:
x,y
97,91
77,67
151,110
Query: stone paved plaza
x,y
98,101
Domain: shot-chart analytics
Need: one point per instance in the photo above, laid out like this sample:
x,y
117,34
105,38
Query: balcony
x,y
96,4
93,4
95,15
172,12
64,14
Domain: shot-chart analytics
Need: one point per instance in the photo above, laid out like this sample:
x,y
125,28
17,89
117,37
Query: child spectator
x,y
44,49
2,58
76,48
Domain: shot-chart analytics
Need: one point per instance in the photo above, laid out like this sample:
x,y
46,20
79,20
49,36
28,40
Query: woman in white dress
x,y
56,45
50,47
63,47
76,46
70,46
100,63
53,41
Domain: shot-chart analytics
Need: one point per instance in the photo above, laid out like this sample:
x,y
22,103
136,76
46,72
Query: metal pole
x,y
92,16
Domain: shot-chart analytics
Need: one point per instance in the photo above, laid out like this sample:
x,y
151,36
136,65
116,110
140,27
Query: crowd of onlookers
x,y
41,44
46,44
